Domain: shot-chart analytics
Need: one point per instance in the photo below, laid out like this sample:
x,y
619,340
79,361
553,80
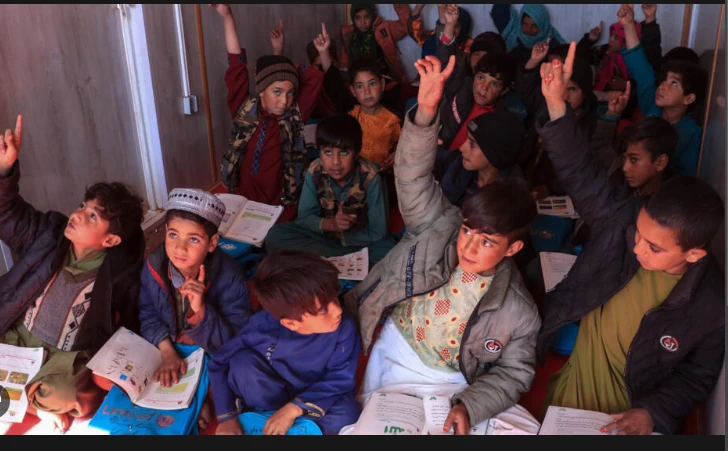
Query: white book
x,y
246,220
568,421
555,266
561,206
130,361
18,366
400,414
352,266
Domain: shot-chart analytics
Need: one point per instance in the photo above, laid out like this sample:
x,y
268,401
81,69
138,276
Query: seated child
x,y
459,321
427,39
493,147
523,29
681,86
297,357
267,156
74,283
211,302
649,295
343,206
380,127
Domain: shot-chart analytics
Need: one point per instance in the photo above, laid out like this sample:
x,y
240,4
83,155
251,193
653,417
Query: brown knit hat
x,y
272,68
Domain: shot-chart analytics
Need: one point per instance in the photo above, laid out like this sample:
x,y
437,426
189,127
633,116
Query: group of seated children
x,y
499,122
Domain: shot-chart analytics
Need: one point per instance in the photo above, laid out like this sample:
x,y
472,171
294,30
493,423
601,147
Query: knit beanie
x,y
500,136
272,68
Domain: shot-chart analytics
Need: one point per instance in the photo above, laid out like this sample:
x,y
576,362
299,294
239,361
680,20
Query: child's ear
x,y
695,254
514,248
662,162
290,324
690,98
111,240
351,88
213,242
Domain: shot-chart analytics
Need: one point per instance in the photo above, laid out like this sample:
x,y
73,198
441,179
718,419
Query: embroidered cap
x,y
196,201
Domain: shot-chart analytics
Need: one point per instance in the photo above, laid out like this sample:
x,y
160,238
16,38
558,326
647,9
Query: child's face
x,y
338,162
325,321
363,21
574,96
487,89
278,97
657,249
367,89
614,45
638,167
187,244
473,157
670,92
475,57
528,26
479,253
86,229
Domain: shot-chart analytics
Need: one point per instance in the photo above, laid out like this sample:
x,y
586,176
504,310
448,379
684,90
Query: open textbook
x,y
247,221
352,266
555,267
130,361
561,206
568,421
18,366
400,414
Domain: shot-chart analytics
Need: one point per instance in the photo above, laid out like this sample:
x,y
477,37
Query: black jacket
x,y
669,384
38,241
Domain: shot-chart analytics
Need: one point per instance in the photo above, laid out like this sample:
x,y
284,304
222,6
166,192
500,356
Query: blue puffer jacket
x,y
227,301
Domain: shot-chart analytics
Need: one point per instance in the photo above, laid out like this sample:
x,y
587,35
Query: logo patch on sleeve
x,y
669,343
493,346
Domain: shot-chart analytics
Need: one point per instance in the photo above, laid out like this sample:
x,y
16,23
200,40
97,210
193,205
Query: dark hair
x,y
209,228
287,283
339,130
492,40
694,78
312,52
498,65
655,133
681,54
364,65
119,205
690,207
503,207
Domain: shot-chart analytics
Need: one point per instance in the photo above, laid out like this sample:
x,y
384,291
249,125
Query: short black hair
x,y
287,283
209,228
655,133
681,54
339,130
503,207
118,204
364,65
690,207
491,40
694,78
498,65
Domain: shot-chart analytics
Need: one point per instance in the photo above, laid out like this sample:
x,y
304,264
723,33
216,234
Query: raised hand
x,y
596,32
538,53
432,85
277,39
222,8
10,147
650,11
451,14
322,42
554,80
626,14
617,100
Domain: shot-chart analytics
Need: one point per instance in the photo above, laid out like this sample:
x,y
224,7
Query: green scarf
x,y
91,262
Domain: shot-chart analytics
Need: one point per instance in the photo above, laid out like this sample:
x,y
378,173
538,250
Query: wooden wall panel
x,y
64,69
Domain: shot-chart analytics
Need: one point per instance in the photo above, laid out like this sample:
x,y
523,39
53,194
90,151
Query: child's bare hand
x,y
432,84
229,427
554,80
650,11
631,422
626,14
277,39
596,32
323,41
343,221
222,8
60,421
617,101
172,367
451,14
459,419
194,290
538,53
280,422
10,146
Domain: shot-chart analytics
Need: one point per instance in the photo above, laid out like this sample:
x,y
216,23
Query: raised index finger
x,y
569,62
323,29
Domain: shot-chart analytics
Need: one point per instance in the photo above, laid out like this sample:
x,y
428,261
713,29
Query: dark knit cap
x,y
583,76
500,136
272,68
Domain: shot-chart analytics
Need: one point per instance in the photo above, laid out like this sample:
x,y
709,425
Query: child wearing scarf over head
x,y
523,29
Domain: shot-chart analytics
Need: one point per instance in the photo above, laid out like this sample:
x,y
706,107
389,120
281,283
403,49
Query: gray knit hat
x,y
195,201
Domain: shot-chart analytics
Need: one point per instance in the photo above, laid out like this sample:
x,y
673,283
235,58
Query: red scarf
x,y
612,63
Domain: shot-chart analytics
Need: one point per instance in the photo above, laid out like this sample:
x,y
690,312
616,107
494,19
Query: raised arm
x,y
334,84
528,82
445,48
638,66
231,33
416,27
651,37
236,75
399,27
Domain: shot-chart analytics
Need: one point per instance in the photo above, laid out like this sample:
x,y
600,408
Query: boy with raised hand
x,y
649,295
74,283
458,320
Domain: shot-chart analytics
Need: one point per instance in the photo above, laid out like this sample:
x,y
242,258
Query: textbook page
x,y
555,267
233,206
352,266
561,206
437,409
179,395
392,414
18,366
253,223
568,421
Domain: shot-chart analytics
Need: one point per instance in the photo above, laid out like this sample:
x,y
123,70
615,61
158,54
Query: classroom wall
x,y
572,21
